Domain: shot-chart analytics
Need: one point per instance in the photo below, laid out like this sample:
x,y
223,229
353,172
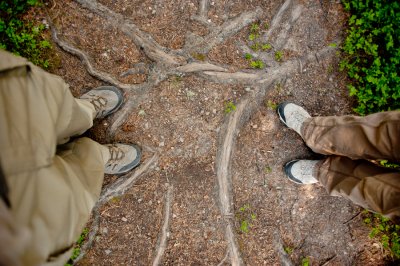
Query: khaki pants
x,y
52,186
351,141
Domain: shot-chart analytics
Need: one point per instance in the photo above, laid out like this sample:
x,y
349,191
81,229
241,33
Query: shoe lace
x,y
116,155
99,104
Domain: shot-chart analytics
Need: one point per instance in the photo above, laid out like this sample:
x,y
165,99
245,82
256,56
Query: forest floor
x,y
210,189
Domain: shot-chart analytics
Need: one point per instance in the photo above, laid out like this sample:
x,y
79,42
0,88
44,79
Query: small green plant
x,y
386,231
23,36
77,249
271,105
305,261
255,28
253,36
278,56
257,64
266,26
255,46
248,56
198,56
267,169
266,47
334,45
229,107
288,250
245,217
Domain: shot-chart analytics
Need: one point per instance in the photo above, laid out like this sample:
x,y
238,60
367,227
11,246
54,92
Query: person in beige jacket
x,y
49,184
351,143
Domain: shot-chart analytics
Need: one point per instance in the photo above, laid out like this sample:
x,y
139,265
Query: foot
x,y
123,158
292,115
106,100
301,171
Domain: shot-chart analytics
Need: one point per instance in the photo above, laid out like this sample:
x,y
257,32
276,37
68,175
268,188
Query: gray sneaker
x,y
292,115
123,158
301,171
106,100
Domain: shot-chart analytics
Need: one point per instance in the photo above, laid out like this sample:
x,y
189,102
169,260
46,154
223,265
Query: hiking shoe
x,y
292,115
106,100
123,158
301,171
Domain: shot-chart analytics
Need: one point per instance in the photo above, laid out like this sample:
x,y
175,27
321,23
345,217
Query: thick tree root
x,y
162,241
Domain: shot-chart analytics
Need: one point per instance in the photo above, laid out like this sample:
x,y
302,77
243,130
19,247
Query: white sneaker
x,y
123,158
106,100
292,115
301,171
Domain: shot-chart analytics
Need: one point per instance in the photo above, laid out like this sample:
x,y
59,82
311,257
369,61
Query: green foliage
x,y
372,54
388,164
198,56
229,107
334,45
271,105
255,46
20,35
255,28
305,261
78,245
253,36
257,64
248,56
278,56
245,218
266,47
267,169
288,250
386,231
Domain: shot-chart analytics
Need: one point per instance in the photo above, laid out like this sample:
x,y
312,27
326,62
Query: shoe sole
x,y
281,113
287,168
119,95
134,163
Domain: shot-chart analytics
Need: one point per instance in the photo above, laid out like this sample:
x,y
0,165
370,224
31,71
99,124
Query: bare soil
x,y
206,172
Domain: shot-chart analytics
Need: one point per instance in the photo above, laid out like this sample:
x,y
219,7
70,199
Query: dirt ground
x,y
211,190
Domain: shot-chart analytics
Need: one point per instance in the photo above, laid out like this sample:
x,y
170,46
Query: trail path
x,y
210,189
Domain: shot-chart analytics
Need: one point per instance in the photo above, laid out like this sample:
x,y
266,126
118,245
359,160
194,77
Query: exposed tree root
x,y
124,183
162,241
116,189
278,246
220,34
86,62
143,40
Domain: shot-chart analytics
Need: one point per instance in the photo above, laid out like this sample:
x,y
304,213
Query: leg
x,y
371,137
54,203
370,186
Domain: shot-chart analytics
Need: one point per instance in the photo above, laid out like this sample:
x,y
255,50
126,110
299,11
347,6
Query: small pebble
x,y
107,251
124,219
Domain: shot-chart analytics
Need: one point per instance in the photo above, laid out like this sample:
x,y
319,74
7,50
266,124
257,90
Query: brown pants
x,y
351,141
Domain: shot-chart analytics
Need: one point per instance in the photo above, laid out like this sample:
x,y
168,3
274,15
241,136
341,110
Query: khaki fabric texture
x,y
52,185
352,141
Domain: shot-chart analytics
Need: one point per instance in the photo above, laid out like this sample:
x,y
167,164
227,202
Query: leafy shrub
x,y
20,35
372,54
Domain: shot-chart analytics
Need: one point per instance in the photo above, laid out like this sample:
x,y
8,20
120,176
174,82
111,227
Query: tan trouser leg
x,y
52,191
372,137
